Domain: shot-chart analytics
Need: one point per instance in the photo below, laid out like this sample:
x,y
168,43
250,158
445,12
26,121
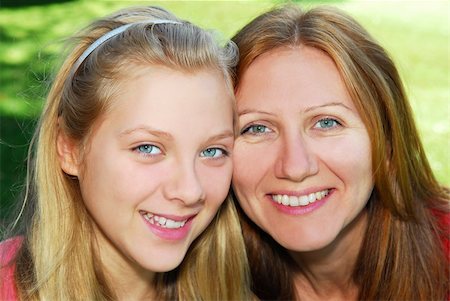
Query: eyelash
x,y
147,154
225,153
327,119
141,152
247,129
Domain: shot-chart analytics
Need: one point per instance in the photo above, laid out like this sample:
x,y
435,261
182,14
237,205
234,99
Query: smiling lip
x,y
168,227
300,203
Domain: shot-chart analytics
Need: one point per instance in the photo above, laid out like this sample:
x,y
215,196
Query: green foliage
x,y
31,40
416,33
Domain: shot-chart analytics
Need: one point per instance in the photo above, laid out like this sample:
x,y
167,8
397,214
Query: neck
x,y
126,279
327,274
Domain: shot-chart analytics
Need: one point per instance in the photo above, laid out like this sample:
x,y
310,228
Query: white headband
x,y
111,34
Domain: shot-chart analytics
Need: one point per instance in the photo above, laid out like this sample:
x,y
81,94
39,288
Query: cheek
x,y
349,154
243,168
114,180
252,164
351,161
216,183
358,165
249,171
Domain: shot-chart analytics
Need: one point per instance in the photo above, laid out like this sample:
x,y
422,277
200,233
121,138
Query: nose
x,y
296,160
184,185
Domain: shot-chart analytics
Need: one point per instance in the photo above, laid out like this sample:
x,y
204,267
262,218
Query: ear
x,y
68,153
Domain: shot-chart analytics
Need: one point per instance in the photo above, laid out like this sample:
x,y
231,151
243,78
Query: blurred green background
x,y
416,33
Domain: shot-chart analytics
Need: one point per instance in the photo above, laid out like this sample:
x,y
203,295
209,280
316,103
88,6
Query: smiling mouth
x,y
163,222
303,200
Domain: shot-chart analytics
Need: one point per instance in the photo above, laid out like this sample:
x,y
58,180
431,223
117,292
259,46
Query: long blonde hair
x,y
402,257
57,260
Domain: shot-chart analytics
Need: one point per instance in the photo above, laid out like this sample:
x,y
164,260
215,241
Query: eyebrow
x,y
147,129
158,133
224,135
330,104
248,111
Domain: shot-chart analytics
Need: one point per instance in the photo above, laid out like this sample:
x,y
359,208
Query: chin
x,y
294,244
164,263
161,266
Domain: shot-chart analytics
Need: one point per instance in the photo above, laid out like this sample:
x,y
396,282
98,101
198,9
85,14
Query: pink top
x,y
8,250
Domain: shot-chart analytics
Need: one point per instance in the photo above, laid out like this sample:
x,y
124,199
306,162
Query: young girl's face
x,y
157,166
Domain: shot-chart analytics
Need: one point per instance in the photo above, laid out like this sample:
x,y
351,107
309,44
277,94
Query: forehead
x,y
302,73
173,100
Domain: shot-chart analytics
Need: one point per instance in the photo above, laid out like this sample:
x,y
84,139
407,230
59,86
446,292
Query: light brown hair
x,y
402,257
57,260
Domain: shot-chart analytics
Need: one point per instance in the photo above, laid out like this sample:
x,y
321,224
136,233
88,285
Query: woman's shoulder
x,y
8,251
443,220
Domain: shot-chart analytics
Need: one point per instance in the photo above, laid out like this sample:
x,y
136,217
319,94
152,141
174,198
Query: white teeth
x,y
164,222
293,201
319,195
278,198
170,223
303,200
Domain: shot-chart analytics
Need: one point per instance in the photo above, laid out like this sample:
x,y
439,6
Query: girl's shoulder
x,y
8,251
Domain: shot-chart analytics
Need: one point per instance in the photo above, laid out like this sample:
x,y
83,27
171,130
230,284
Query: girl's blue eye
x,y
148,149
213,152
327,123
255,129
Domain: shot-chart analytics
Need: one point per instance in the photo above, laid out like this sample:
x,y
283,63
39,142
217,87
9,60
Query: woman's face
x,y
302,161
157,167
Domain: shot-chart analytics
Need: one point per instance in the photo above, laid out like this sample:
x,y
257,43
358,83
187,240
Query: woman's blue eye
x,y
148,149
213,152
327,123
255,129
